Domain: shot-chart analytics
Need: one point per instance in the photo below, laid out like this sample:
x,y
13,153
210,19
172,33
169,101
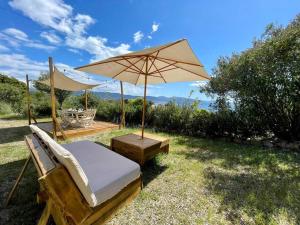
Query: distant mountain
x,y
157,100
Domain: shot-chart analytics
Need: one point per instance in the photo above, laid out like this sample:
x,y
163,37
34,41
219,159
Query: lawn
x,y
201,181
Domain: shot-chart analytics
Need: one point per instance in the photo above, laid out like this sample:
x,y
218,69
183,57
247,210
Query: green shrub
x,y
108,110
5,108
264,84
41,104
11,95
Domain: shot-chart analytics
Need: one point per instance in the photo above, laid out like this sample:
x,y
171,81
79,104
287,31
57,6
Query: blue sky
x,y
78,32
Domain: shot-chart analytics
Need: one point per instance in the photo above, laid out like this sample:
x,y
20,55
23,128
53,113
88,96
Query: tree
x,y
264,82
60,95
12,92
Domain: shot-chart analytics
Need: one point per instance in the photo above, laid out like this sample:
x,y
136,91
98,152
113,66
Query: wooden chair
x,y
64,201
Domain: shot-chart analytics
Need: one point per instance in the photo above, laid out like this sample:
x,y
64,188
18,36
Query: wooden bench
x,y
140,150
64,201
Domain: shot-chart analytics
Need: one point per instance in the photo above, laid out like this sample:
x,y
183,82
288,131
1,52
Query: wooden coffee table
x,y
133,147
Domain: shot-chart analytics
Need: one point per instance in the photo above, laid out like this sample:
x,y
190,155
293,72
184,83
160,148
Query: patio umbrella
x,y
173,62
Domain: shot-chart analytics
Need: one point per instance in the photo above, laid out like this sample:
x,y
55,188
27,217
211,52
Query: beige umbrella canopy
x,y
65,83
173,62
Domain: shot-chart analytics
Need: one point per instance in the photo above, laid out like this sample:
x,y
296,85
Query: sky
x,y
78,32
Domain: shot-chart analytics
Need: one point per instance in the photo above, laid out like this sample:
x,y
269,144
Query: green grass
x,y
201,181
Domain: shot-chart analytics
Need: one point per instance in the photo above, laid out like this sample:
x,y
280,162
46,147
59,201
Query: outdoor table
x,y
140,150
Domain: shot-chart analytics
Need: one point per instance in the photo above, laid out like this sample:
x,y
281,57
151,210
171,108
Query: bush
x,y
264,84
41,104
11,95
5,108
108,110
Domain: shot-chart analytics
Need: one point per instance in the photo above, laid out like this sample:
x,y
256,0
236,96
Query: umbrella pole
x,y
145,100
122,123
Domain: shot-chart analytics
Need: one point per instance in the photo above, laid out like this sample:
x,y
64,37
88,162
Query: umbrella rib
x,y
175,68
116,58
163,67
127,65
153,60
126,68
186,70
140,73
133,64
158,71
174,43
176,61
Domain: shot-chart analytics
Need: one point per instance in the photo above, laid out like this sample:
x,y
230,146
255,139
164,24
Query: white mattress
x,y
107,172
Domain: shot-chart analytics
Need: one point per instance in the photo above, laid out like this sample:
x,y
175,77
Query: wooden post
x,y
17,181
145,103
122,122
53,111
28,100
86,101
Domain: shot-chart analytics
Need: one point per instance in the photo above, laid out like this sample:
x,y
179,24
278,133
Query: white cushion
x,y
98,172
107,172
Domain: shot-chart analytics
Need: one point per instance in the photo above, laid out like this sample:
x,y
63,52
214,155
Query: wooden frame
x,y
64,201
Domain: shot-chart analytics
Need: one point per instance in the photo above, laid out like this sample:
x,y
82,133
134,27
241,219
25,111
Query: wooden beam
x,y
60,128
52,93
11,193
28,100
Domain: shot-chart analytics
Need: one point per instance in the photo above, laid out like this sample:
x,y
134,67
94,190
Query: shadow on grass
x,y
151,170
23,208
249,179
12,134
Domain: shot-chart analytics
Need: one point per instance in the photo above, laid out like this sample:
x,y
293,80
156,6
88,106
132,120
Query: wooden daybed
x,y
103,181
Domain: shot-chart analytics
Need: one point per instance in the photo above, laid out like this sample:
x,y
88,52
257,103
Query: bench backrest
x,y
42,157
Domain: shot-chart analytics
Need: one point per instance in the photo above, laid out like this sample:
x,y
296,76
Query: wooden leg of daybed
x,y
11,193
46,213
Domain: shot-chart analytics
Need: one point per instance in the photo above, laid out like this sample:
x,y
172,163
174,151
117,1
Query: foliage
x,y
12,92
41,104
60,95
108,110
5,108
78,101
264,83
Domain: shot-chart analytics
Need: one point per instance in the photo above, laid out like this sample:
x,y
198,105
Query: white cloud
x,y
149,37
55,13
155,27
18,34
59,16
198,83
18,66
73,50
137,36
51,37
3,48
12,64
15,38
